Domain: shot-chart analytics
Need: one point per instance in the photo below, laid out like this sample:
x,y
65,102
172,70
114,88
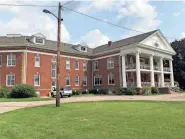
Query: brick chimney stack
x,y
109,43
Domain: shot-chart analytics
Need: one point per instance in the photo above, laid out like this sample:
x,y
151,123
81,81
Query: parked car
x,y
67,91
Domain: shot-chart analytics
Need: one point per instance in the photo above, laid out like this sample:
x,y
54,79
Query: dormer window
x,y
39,40
83,49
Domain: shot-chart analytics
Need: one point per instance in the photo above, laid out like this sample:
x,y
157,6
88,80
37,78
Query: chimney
x,y
109,43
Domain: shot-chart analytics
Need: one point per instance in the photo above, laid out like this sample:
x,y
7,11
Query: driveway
x,y
9,106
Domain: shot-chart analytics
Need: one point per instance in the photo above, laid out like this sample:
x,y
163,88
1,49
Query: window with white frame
x,y
10,79
37,61
84,82
53,83
67,64
96,65
36,80
97,80
76,65
85,66
110,63
11,60
77,81
111,79
53,70
39,40
54,59
0,60
67,80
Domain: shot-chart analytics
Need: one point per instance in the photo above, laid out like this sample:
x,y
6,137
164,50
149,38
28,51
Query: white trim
x,y
53,70
110,62
78,65
34,80
37,63
11,61
7,80
106,56
68,68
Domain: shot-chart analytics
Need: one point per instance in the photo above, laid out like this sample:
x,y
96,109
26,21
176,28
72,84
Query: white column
x,y
162,72
171,73
123,72
138,72
152,71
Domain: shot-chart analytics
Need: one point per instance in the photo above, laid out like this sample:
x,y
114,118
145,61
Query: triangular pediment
x,y
158,41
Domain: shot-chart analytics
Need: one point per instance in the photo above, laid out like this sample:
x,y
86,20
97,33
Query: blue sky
x,y
140,15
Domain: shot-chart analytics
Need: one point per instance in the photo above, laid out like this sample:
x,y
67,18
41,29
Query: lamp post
x,y
58,52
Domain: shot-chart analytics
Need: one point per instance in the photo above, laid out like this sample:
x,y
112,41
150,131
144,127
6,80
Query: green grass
x,y
97,120
23,99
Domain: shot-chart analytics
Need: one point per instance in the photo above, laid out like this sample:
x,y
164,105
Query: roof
x,y
123,42
70,48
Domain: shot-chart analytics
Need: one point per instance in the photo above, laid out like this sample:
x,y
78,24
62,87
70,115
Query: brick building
x,y
142,60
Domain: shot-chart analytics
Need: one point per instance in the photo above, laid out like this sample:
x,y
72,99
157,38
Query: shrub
x,y
97,91
4,92
84,92
93,91
23,91
154,90
131,90
76,92
146,91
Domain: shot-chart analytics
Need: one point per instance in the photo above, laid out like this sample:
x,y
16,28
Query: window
x,y
67,64
39,40
96,65
53,83
110,63
10,79
85,66
0,60
76,80
76,65
111,79
36,80
54,59
67,80
53,70
97,80
83,49
84,82
11,60
37,61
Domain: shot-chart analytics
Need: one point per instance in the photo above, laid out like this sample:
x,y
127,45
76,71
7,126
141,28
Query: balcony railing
x,y
131,66
144,66
157,68
166,69
145,83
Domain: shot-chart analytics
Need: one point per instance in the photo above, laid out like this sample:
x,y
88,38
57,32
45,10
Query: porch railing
x,y
144,66
131,66
166,69
157,68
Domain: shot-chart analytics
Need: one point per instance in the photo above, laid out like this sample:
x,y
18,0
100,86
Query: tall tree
x,y
179,62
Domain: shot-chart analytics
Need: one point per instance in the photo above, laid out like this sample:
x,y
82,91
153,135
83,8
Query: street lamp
x,y
58,52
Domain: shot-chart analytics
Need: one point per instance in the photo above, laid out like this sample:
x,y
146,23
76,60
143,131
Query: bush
x,y
23,91
93,91
154,90
131,90
84,92
76,92
4,92
97,91
146,91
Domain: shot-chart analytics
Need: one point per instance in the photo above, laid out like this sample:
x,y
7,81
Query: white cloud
x,y
29,20
94,38
182,35
176,14
144,12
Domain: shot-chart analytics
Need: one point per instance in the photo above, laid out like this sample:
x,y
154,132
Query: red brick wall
x,y
17,70
45,72
104,71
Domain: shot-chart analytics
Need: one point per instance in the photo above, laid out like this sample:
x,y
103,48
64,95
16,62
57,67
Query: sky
x,y
141,15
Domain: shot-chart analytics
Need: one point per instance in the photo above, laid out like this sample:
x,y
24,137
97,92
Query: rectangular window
x,y
53,70
84,66
36,80
10,79
37,61
0,60
110,63
11,60
53,83
111,79
97,80
54,59
85,81
67,80
39,40
96,65
67,64
76,80
76,65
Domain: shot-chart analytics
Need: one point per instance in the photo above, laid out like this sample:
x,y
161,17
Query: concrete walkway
x,y
9,106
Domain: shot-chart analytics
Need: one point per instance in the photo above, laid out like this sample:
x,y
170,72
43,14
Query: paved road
x,y
9,106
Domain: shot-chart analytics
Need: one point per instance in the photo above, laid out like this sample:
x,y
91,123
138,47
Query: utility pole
x,y
58,56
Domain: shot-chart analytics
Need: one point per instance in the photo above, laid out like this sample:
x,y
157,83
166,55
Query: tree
x,y
179,62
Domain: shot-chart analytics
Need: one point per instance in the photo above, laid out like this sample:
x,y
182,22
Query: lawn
x,y
23,99
97,120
